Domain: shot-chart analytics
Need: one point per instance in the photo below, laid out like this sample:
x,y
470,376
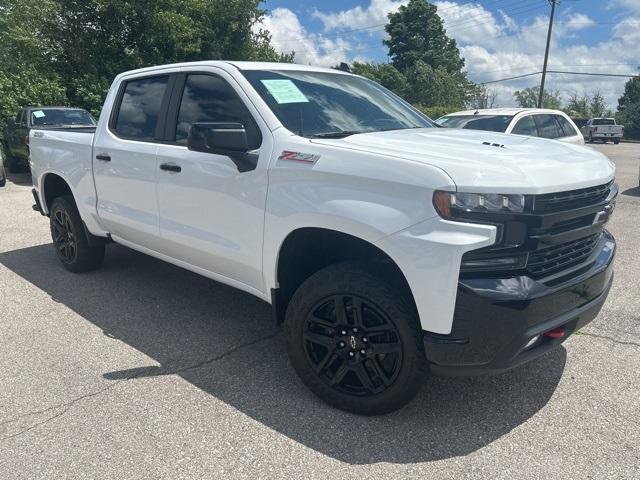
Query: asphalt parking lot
x,y
144,370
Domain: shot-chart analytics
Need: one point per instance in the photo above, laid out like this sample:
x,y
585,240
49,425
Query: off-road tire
x,y
74,251
365,283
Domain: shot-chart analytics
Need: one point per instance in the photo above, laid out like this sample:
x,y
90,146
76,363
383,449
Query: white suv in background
x,y
535,122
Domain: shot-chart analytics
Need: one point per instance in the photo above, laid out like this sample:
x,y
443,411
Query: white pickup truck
x,y
389,247
603,129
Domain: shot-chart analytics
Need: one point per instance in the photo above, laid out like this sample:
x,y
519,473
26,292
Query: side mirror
x,y
221,138
229,139
11,122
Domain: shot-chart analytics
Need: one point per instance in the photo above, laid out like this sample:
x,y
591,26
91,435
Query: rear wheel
x,y
616,142
70,239
355,341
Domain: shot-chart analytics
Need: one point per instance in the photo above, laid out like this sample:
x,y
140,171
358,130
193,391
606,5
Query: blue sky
x,y
498,38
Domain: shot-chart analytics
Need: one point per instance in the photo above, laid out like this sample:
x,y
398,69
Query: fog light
x,y
532,342
500,263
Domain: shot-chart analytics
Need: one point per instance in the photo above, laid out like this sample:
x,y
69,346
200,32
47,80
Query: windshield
x,y
60,117
604,121
493,123
332,105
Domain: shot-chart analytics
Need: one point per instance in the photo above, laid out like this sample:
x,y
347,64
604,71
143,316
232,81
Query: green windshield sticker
x,y
38,114
284,91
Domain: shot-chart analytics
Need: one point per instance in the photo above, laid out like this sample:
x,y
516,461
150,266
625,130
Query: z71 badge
x,y
299,157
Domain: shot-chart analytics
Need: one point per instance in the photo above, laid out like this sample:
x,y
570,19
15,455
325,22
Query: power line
x,y
509,78
380,27
558,72
451,32
594,74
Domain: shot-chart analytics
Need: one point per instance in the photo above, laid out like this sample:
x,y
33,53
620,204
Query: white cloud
x,y
372,16
495,45
288,34
522,52
629,5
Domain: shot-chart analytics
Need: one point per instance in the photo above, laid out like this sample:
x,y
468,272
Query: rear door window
x,y
566,128
139,108
526,126
547,126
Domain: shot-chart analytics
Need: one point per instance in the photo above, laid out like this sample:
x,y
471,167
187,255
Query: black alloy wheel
x,y
63,237
352,345
354,338
70,237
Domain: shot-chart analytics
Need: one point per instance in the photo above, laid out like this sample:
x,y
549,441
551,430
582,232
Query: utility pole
x,y
546,53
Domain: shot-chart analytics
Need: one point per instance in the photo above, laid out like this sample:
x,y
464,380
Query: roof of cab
x,y
240,65
502,111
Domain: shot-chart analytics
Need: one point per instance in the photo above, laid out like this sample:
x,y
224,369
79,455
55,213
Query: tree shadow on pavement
x,y
224,342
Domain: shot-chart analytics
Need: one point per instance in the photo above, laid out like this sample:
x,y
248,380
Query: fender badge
x,y
299,157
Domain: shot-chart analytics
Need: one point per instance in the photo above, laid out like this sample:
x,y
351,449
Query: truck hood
x,y
481,161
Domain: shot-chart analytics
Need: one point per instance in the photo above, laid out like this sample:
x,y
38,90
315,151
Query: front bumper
x,y
495,319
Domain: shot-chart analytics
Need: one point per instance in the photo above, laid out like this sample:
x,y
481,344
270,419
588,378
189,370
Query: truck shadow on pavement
x,y
224,342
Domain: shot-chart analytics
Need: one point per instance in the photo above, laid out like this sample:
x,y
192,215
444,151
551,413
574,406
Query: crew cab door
x,y
124,160
211,213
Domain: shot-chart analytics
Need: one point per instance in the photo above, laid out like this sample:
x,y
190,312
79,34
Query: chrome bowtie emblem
x,y
353,342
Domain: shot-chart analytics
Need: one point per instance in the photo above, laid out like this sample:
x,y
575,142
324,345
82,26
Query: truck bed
x,y
61,149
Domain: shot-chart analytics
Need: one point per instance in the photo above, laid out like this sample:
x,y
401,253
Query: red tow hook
x,y
555,333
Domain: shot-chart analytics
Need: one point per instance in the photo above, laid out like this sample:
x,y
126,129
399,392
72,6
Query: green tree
x,y
587,105
426,66
597,105
578,106
629,108
384,73
528,98
482,97
26,77
101,38
416,33
432,87
69,51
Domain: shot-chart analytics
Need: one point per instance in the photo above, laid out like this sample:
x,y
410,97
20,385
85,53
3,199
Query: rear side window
x,y
139,108
566,128
526,126
209,98
604,121
493,123
547,126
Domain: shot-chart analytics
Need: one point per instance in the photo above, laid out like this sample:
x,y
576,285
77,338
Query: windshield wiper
x,y
339,134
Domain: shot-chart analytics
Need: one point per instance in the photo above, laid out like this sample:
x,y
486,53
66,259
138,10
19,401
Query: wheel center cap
x,y
353,342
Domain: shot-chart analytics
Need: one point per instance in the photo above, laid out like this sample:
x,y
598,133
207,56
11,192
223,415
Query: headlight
x,y
447,203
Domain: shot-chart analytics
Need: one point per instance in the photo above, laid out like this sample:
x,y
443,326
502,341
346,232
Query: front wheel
x,y
616,142
355,341
70,239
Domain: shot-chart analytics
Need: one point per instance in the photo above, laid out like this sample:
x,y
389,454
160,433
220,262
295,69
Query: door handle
x,y
104,157
170,167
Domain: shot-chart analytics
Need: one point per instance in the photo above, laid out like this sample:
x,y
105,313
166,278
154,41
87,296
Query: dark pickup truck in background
x,y
17,130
